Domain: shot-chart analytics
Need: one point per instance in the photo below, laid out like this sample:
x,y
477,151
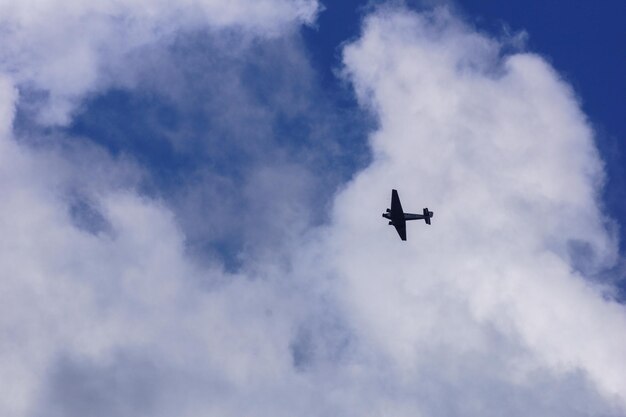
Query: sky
x,y
190,222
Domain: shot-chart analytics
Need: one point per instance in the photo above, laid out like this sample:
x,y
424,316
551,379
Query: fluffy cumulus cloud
x,y
492,310
498,147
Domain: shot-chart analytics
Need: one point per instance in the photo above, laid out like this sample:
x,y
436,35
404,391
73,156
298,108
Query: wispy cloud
x,y
64,50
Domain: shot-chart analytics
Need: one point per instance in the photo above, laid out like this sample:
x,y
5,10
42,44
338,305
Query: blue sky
x,y
192,196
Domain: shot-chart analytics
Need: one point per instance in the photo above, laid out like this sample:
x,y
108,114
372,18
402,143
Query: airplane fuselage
x,y
406,216
411,216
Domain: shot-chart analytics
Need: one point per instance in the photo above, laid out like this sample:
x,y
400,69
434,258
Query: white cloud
x,y
499,149
482,313
65,50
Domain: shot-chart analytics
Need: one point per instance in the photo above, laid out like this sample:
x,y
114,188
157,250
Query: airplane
x,y
398,218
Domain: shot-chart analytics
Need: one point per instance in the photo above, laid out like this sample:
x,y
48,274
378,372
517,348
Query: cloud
x,y
58,51
483,313
78,234
226,126
498,147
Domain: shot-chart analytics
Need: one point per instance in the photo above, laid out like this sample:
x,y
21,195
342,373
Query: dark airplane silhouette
x,y
398,217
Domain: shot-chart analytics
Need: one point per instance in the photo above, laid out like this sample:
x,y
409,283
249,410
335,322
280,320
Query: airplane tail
x,y
427,215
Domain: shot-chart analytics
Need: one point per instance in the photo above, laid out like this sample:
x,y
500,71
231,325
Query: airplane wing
x,y
397,215
396,207
401,229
